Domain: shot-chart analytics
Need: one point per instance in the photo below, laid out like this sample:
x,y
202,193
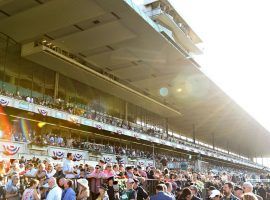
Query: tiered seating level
x,y
32,107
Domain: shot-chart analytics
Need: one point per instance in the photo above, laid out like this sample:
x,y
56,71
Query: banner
x,y
141,163
58,154
78,156
99,126
10,150
149,163
4,102
42,111
109,158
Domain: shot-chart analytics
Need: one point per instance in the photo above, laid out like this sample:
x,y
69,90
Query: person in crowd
x,y
248,188
215,195
129,172
178,193
31,172
12,188
68,193
129,193
41,173
108,172
267,189
249,196
31,193
186,194
209,192
55,192
160,194
61,183
50,171
194,192
238,192
15,168
141,172
113,191
68,167
261,191
96,178
102,164
227,191
170,189
103,193
141,193
116,169
59,171
83,191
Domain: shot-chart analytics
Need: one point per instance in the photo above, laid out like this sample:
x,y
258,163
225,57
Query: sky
x,y
236,35
236,40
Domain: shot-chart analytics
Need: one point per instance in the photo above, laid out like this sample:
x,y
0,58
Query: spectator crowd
x,y
67,180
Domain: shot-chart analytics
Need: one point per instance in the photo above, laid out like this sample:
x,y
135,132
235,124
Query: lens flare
x,y
41,124
164,91
5,126
25,128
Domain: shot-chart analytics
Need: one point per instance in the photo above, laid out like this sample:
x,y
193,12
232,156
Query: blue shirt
x,y
68,194
161,196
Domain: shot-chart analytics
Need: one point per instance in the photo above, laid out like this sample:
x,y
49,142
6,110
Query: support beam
x,y
213,140
56,85
228,150
126,111
194,133
166,127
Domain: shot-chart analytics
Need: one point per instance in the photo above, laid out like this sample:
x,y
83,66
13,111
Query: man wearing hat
x,y
83,192
113,188
238,192
215,194
141,193
129,193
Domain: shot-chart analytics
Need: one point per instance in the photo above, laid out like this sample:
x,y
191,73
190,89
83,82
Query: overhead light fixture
x,y
179,90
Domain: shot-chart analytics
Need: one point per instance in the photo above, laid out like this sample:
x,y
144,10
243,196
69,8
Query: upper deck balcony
x,y
165,15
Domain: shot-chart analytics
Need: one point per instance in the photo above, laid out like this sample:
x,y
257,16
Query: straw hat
x,y
83,182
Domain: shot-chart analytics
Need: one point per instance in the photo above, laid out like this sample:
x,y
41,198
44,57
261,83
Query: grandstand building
x,y
118,81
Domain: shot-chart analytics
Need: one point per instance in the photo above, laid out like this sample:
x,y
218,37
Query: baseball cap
x,y
130,180
214,193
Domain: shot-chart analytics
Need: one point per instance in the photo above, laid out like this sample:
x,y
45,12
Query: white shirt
x,y
54,194
50,174
68,166
31,173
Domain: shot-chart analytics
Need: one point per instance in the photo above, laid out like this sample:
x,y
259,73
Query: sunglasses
x,y
97,168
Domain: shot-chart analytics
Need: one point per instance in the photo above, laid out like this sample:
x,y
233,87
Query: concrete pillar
x,y
213,140
166,127
194,133
126,111
228,150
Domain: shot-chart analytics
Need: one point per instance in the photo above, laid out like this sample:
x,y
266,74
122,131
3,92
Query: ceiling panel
x,y
98,36
26,25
